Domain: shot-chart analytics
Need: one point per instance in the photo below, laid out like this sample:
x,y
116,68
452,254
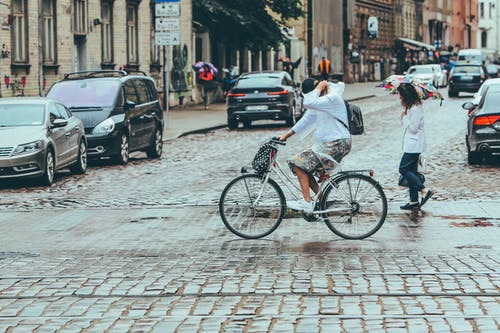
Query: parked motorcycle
x,y
230,77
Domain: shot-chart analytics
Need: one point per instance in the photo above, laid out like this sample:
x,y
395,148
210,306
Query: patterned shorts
x,y
317,161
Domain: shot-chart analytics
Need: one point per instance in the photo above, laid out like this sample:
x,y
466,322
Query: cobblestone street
x,y
141,247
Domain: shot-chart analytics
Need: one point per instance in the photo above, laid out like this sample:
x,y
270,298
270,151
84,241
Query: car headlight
x,y
27,148
105,127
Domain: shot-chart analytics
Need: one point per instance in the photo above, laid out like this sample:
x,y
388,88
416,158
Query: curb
x,y
215,127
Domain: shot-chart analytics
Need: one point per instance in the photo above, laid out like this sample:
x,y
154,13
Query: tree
x,y
255,24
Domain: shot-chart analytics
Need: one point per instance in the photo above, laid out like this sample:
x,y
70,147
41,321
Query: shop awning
x,y
416,43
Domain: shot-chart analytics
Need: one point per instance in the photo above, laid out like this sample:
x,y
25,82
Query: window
x,y
155,49
132,47
484,37
79,17
142,92
481,10
49,31
107,31
130,93
63,112
19,31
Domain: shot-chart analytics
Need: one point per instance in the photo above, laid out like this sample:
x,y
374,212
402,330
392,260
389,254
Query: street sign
x,y
167,23
167,38
167,9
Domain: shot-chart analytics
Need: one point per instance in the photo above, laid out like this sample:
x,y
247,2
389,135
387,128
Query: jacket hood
x,y
338,87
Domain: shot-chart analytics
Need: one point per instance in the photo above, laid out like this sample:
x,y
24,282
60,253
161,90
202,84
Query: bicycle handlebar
x,y
275,140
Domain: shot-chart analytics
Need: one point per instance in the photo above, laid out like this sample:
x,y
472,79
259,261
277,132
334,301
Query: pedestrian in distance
x,y
326,115
206,80
412,120
324,69
289,65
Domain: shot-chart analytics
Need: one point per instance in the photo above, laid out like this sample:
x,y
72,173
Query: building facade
x,y
86,35
464,24
488,29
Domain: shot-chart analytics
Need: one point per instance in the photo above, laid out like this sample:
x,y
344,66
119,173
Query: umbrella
x,y
424,90
198,67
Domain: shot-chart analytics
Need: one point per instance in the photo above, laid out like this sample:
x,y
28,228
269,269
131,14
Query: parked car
x,y
263,95
483,126
39,136
121,112
482,89
466,77
425,73
492,70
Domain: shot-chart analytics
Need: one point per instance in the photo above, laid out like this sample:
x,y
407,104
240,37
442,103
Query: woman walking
x,y
412,119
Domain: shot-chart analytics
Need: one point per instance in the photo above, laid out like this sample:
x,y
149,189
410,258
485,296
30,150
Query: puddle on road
x,y
148,218
471,221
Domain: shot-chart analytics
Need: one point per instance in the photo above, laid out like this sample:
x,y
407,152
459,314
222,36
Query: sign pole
x,y
166,84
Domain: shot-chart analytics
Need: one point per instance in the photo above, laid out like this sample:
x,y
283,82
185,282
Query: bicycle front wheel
x,y
356,206
251,208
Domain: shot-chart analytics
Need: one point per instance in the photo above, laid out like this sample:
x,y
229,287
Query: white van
x,y
471,55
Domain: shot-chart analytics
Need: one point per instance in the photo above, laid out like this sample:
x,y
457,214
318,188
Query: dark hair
x,y
308,85
409,95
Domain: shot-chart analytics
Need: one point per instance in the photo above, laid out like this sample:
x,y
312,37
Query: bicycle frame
x,y
293,187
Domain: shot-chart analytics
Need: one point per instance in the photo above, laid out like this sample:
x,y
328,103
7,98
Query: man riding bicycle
x,y
327,115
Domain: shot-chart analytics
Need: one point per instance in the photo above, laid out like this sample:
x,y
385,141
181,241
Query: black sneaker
x,y
410,206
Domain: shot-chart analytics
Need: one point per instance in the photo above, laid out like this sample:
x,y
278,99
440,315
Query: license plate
x,y
466,78
256,107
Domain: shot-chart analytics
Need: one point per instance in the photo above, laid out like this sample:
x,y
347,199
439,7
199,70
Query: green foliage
x,y
249,23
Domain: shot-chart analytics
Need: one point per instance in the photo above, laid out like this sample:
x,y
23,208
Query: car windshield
x,y
467,70
258,81
85,93
21,115
420,70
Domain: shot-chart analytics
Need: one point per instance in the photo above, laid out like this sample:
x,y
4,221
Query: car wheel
x,y
474,157
80,165
292,119
123,155
452,93
50,168
232,124
247,123
156,148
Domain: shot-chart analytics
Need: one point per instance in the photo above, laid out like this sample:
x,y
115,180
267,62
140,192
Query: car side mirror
x,y
468,106
59,123
405,72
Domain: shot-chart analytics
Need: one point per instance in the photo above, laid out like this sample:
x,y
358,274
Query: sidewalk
x,y
182,121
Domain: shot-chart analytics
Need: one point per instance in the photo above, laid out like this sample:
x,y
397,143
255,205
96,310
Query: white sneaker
x,y
301,205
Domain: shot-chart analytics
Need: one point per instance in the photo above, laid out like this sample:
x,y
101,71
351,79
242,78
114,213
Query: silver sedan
x,y
39,136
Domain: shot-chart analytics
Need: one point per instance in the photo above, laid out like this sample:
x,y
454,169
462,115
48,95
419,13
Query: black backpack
x,y
355,118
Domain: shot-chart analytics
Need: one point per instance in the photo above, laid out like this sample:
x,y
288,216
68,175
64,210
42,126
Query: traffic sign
x,y
167,38
167,9
167,23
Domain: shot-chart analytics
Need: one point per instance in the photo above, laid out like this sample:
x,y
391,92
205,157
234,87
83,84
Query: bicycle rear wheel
x,y
357,204
250,208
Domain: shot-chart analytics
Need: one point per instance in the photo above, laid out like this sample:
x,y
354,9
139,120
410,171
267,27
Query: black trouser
x,y
408,168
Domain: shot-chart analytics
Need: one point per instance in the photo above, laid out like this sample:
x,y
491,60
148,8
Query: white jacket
x,y
323,113
413,130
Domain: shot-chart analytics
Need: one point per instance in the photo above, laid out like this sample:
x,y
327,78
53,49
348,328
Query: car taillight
x,y
284,92
486,120
230,94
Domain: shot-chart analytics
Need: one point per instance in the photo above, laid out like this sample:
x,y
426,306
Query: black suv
x,y
466,77
121,112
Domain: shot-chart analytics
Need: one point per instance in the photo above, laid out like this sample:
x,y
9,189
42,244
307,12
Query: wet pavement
x,y
141,247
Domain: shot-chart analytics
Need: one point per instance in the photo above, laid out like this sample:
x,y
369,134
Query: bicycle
x,y
352,204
